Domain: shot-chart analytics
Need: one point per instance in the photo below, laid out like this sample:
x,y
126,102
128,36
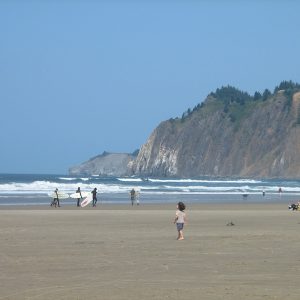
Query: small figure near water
x,y
245,196
94,192
263,193
78,199
180,220
132,196
135,196
55,201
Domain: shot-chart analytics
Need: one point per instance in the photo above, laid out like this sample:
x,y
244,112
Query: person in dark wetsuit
x,y
78,199
132,196
94,192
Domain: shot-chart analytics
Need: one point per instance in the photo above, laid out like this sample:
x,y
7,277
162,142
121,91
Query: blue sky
x,y
81,77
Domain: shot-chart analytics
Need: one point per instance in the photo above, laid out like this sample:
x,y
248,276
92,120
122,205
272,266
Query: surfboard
x,y
86,201
60,195
77,195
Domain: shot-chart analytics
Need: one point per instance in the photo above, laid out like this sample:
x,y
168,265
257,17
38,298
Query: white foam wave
x,y
45,187
206,193
73,178
204,181
67,178
209,188
38,187
130,179
85,179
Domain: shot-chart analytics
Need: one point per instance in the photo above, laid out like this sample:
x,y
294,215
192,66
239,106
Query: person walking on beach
x,y
180,220
55,201
132,196
78,199
94,192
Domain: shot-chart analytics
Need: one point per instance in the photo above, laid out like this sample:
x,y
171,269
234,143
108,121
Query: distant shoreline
x,y
155,206
113,200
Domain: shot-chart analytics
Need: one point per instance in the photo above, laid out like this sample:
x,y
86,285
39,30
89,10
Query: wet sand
x,y
123,252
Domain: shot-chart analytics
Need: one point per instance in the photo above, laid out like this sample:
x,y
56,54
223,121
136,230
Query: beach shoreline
x,y
156,206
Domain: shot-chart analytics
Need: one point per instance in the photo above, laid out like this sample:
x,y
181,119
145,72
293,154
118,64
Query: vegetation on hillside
x,y
289,88
236,103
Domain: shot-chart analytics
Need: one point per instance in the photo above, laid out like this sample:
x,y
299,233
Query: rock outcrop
x,y
106,164
230,134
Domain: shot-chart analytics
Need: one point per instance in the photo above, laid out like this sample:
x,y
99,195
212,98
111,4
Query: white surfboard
x,y
60,195
77,195
86,201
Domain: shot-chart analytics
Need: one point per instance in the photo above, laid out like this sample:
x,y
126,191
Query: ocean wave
x,y
130,179
204,181
85,179
114,186
183,192
67,178
48,187
209,188
74,178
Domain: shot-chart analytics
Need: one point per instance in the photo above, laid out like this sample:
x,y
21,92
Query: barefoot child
x,y
180,219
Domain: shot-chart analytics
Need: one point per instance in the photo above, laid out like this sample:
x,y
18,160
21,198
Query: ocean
x,y
34,189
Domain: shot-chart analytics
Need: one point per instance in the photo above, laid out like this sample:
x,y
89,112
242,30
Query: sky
x,y
81,77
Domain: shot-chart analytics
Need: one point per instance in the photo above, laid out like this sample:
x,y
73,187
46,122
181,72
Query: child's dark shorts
x,y
179,226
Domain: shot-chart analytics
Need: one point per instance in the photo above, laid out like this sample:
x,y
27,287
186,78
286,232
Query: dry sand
x,y
120,252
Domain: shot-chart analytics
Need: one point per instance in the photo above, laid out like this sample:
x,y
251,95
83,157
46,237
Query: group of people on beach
x,y
134,197
55,201
180,215
93,192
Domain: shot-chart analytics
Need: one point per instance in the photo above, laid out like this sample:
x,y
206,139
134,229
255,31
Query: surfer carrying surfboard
x,y
55,201
94,192
78,199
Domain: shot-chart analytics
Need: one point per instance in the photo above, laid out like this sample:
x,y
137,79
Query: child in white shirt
x,y
180,220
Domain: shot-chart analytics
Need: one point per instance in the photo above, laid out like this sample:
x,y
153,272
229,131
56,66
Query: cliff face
x,y
246,139
106,164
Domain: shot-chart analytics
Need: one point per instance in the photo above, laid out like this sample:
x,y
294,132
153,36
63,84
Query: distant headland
x,y
230,133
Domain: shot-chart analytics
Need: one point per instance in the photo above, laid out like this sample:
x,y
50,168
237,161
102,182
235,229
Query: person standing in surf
x,y
78,199
132,196
94,192
180,220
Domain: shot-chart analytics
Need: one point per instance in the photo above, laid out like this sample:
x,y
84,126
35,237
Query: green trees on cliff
x,y
231,94
234,100
287,86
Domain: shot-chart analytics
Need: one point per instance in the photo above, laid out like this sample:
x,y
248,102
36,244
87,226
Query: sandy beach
x,y
123,252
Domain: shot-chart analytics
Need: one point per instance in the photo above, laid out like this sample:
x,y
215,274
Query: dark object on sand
x,y
294,206
230,224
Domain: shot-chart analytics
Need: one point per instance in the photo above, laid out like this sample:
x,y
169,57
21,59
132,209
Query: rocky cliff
x,y
106,164
230,134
